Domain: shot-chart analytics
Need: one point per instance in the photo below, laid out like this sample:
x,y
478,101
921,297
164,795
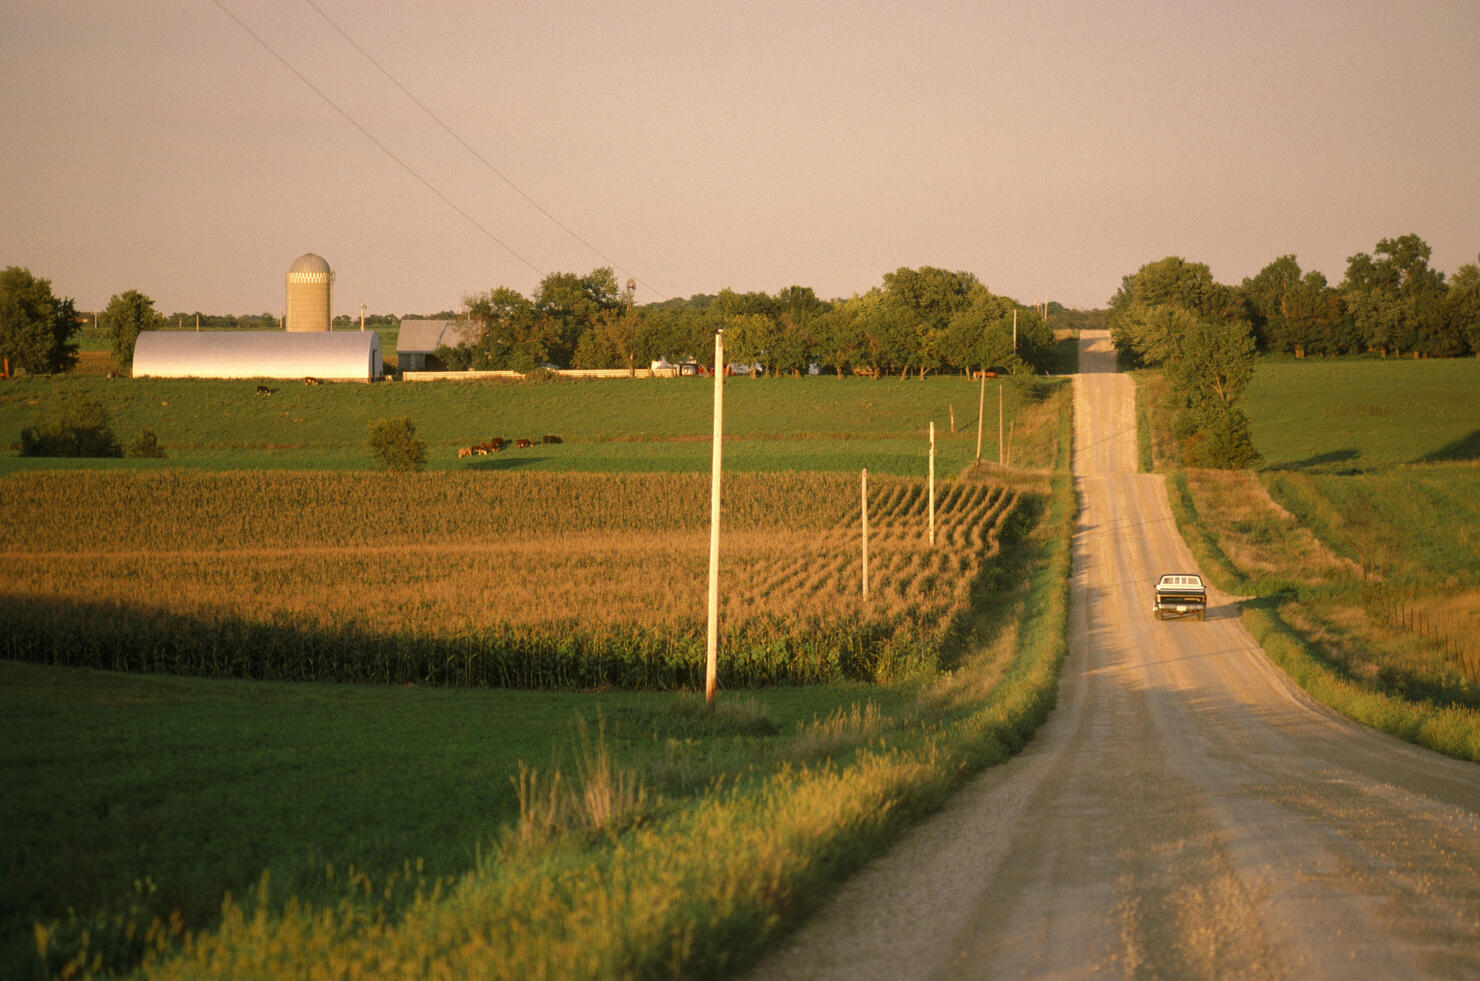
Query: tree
x,y
797,314
839,335
1464,304
36,328
514,336
126,316
1209,373
1316,319
1398,304
1173,315
1264,296
80,428
570,305
750,338
394,445
918,305
1172,281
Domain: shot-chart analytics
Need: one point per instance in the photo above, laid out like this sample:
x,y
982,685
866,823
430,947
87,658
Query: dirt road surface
x,y
1186,812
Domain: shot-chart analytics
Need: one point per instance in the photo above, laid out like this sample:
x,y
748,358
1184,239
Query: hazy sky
x,y
1050,147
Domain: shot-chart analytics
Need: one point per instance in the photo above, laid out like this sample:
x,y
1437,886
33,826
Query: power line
x,y
476,155
371,137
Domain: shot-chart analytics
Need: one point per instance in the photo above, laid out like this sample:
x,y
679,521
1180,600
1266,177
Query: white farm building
x,y
337,355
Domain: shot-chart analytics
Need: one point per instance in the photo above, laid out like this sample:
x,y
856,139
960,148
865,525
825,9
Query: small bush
x,y
394,445
80,428
145,446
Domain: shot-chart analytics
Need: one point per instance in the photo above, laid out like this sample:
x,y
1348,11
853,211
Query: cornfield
x,y
523,580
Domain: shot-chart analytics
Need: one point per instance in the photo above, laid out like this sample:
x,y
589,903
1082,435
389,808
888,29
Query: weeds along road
x,y
1186,812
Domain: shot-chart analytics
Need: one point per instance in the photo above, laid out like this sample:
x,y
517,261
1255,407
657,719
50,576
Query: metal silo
x,y
310,294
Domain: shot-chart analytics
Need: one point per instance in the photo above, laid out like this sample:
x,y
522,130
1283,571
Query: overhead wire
x,y
393,155
471,150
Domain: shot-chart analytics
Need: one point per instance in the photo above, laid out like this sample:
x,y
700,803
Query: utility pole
x,y
981,408
711,670
863,494
1014,332
362,318
932,482
1001,443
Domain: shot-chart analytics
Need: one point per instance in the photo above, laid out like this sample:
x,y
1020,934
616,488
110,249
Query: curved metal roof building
x,y
339,355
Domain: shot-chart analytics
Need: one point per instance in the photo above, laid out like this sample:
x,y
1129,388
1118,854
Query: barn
x,y
337,355
416,347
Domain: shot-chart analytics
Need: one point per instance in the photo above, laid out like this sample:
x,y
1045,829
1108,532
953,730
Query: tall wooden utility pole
x,y
711,670
932,482
362,318
863,494
981,408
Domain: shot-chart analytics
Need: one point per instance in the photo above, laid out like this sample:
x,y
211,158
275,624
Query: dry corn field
x,y
568,580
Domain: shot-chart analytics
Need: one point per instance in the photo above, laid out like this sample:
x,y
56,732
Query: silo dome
x,y
310,294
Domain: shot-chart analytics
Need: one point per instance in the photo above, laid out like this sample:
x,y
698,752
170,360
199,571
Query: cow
x,y
310,380
523,444
263,390
550,439
464,451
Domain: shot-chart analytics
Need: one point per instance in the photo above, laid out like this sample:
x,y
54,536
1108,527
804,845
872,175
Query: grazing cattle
x,y
497,442
263,390
464,452
523,444
310,380
480,451
550,439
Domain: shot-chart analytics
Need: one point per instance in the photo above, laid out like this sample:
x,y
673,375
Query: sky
x,y
192,149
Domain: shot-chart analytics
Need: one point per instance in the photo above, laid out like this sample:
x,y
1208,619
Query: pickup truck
x,y
1180,594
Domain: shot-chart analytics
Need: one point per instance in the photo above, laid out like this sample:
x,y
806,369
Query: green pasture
x,y
815,423
1377,456
144,792
1342,415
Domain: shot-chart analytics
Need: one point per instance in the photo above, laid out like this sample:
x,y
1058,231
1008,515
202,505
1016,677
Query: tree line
x,y
917,322
1391,302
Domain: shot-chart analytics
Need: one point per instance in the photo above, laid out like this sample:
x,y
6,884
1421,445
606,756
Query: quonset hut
x,y
337,355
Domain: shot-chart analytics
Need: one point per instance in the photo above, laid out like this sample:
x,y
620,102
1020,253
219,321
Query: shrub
x,y
80,428
145,446
394,445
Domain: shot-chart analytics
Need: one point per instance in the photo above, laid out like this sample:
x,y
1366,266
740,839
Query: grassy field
x,y
144,798
1359,414
1360,537
770,424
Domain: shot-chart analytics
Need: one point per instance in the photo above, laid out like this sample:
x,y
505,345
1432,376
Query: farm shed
x,y
416,347
347,355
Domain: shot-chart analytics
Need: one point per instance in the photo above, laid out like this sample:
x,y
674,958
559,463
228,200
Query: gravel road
x,y
1186,811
